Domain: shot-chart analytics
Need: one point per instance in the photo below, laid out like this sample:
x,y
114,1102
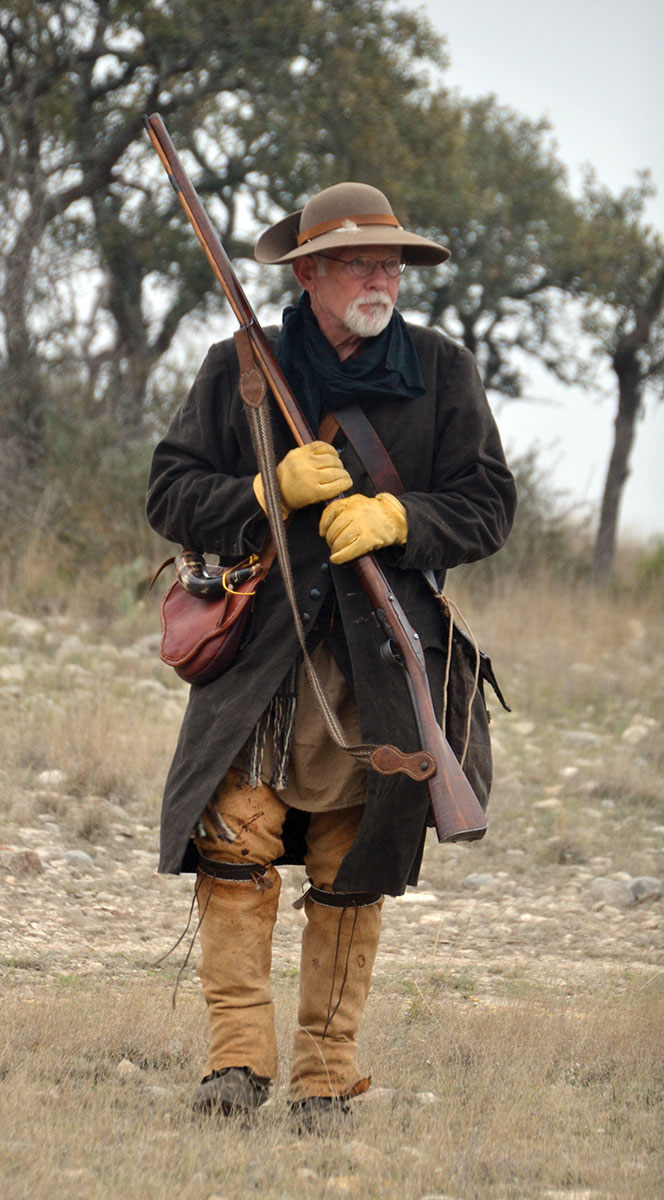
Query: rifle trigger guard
x,y
389,760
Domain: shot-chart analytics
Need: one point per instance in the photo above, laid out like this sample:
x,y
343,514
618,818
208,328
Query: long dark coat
x,y
460,501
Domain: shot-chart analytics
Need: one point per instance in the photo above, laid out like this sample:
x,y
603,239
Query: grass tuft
x,y
482,1100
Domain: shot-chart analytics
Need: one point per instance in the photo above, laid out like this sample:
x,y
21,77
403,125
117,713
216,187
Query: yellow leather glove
x,y
356,525
307,475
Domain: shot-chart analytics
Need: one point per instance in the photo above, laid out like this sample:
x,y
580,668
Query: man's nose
x,y
378,277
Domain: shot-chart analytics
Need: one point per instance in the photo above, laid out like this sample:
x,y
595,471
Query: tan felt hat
x,y
347,214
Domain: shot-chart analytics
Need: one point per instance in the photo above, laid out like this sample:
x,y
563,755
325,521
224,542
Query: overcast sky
x,y
595,69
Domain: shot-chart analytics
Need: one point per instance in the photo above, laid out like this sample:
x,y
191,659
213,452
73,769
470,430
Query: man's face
x,y
341,301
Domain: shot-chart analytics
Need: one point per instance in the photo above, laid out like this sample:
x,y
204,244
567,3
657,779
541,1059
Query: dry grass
x,y
573,649
87,736
521,1092
103,715
579,667
519,1101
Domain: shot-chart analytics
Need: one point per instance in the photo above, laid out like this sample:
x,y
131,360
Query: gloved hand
x,y
356,525
307,475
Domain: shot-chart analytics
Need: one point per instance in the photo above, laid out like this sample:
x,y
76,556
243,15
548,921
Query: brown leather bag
x,y
200,637
200,634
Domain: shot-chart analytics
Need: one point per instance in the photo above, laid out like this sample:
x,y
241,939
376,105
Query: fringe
x,y
279,716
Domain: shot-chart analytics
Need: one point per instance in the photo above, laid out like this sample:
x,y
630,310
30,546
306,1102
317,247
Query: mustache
x,y
375,298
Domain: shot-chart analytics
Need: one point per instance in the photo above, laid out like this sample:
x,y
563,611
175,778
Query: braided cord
x,y
261,434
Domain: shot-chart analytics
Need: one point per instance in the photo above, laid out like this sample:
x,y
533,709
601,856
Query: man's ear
x,y
306,271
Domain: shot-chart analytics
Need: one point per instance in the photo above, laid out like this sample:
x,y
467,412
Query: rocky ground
x,y
565,892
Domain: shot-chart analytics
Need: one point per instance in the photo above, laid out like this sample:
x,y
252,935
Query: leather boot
x,y
324,1116
235,1091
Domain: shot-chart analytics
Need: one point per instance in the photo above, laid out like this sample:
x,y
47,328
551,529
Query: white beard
x,y
367,318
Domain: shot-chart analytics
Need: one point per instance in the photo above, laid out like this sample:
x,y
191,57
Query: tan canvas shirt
x,y
320,775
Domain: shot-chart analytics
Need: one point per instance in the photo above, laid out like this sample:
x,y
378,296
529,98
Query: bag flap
x,y
188,622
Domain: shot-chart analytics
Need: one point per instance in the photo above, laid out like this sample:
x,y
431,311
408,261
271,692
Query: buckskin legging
x,y
237,920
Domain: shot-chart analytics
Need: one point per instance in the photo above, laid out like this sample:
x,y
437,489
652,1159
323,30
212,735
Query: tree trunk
x,y
22,410
632,376
629,403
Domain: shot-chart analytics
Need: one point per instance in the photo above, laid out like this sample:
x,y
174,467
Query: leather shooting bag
x,y
201,634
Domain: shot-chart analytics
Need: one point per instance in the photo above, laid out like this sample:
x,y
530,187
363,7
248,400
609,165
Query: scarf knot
x,y
388,364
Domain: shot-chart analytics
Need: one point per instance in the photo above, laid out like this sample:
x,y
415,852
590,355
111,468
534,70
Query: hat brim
x,y
275,245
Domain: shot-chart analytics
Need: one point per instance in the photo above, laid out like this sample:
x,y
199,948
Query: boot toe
x,y
232,1091
321,1115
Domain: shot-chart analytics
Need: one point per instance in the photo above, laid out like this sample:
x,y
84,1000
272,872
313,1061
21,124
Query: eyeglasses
x,y
362,268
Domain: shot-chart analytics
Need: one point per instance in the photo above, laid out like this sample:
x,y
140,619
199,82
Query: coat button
x,y
314,594
325,566
306,617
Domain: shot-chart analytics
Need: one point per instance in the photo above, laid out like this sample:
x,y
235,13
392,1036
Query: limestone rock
x,y
613,892
78,858
26,629
13,673
51,779
126,1069
477,881
646,887
638,729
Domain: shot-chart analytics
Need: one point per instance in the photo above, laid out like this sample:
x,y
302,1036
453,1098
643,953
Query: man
x,y
256,780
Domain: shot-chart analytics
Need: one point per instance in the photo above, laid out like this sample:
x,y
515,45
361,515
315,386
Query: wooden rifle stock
x,y
456,811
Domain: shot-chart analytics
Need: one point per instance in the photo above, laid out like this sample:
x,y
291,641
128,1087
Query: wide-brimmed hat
x,y
347,214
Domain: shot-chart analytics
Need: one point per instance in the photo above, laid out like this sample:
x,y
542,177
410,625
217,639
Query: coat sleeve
x,y
200,490
468,510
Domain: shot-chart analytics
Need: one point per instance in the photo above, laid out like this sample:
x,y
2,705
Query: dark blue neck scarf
x,y
388,364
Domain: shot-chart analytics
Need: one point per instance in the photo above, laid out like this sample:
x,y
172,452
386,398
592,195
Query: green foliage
x,y
621,269
101,276
263,100
620,266
81,524
617,254
360,89
97,477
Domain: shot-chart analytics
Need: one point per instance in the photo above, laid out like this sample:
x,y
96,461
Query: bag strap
x,y
372,454
366,443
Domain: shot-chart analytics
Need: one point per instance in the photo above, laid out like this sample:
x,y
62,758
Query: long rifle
x,y
456,811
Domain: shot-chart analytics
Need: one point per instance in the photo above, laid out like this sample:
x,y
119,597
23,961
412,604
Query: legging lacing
x,y
331,1012
175,945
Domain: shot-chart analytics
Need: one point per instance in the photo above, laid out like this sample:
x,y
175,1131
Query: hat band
x,y
315,231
